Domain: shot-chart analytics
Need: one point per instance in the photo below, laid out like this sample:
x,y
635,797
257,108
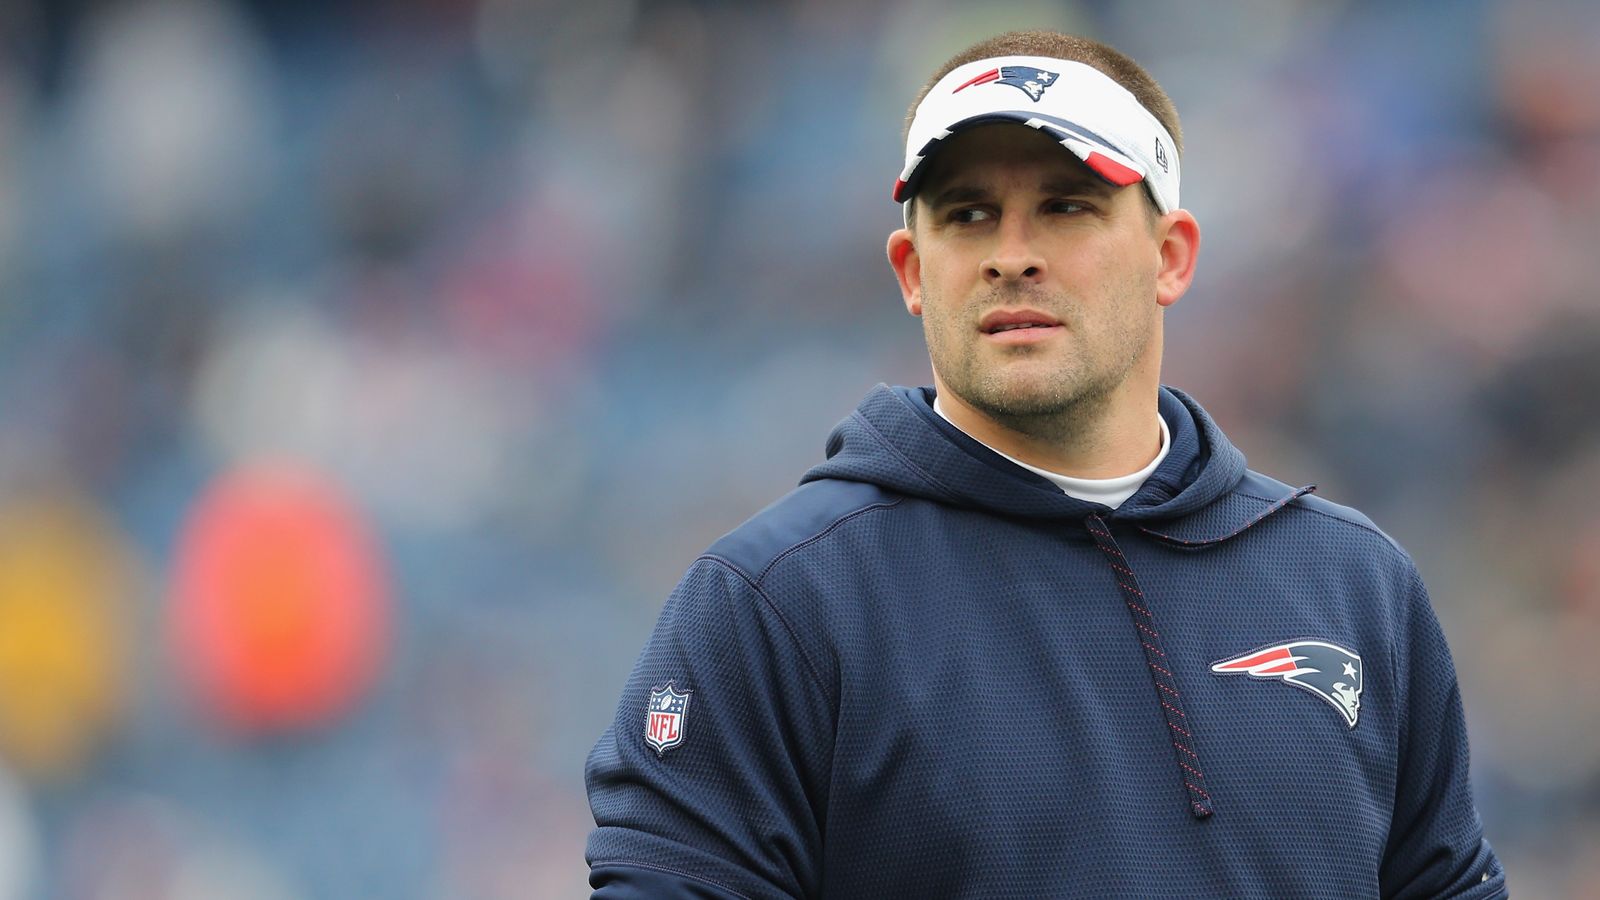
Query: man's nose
x,y
1015,257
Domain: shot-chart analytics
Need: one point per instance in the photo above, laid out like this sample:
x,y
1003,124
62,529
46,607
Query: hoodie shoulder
x,y
803,515
1268,490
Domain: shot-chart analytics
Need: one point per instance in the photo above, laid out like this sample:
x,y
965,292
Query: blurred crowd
x,y
370,371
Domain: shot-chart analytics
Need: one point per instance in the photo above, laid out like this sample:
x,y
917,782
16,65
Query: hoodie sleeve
x,y
733,807
1436,845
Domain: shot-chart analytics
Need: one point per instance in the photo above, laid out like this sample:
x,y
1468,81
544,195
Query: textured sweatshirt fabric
x,y
926,672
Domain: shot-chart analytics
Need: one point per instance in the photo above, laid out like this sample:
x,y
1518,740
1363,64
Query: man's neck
x,y
1107,442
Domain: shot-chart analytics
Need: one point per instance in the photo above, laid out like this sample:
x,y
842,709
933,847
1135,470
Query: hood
x,y
895,440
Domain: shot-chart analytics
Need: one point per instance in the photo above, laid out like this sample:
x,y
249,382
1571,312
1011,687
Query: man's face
x,y
1037,281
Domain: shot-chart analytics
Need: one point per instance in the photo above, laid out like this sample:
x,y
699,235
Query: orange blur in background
x,y
280,605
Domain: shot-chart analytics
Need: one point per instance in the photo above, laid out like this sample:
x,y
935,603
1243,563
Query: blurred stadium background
x,y
370,371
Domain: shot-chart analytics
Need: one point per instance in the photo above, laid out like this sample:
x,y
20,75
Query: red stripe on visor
x,y
1112,171
985,78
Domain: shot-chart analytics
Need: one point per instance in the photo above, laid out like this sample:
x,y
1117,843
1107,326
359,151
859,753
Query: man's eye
x,y
969,214
1066,206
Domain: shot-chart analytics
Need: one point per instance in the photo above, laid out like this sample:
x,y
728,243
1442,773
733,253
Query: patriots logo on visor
x,y
1327,670
1026,79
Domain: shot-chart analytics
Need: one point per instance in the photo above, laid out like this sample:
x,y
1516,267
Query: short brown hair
x,y
1118,66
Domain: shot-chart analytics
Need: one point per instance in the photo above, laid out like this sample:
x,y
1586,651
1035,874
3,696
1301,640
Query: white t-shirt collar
x,y
1112,492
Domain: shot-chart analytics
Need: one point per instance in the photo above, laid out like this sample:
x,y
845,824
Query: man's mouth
x,y
1001,321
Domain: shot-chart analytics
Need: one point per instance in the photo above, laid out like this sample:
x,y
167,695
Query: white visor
x,y
1091,115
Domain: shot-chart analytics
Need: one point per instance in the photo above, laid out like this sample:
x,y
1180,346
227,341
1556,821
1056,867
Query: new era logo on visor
x,y
1327,670
1028,80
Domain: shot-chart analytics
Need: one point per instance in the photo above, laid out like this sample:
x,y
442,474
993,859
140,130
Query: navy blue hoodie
x,y
926,672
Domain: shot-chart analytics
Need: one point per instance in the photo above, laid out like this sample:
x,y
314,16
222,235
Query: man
x,y
1037,631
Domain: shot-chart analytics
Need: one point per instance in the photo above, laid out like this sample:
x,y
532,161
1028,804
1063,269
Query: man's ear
x,y
1180,248
907,269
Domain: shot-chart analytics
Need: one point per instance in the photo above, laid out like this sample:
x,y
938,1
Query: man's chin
x,y
1022,400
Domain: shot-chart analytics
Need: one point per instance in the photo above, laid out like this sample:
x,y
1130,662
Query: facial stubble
x,y
1065,402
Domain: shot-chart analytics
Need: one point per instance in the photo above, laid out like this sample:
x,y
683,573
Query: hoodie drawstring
x,y
1166,683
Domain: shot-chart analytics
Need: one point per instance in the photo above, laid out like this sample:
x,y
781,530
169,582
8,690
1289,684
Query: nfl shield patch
x,y
665,717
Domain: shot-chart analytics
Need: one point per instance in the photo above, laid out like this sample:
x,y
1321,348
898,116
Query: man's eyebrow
x,y
958,193
972,193
1076,185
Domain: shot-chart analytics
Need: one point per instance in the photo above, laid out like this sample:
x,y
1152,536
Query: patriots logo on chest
x,y
1327,670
